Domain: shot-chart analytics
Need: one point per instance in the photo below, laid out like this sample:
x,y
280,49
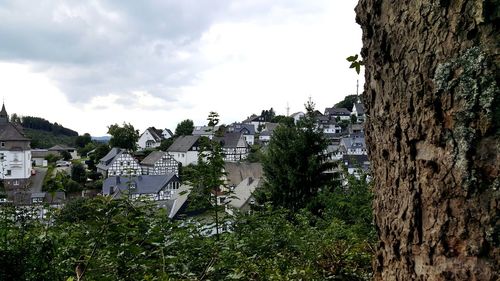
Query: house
x,y
328,125
256,121
166,133
59,148
159,163
353,145
248,131
205,131
243,198
267,133
38,156
118,162
356,129
15,154
56,198
234,146
154,187
358,110
340,113
297,116
185,150
357,165
151,138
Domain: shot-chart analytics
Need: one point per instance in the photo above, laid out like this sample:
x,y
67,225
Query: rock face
x,y
432,96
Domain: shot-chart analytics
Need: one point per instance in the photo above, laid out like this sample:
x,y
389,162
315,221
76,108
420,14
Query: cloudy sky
x,y
89,64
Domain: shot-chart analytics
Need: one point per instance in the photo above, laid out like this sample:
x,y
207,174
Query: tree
x,y
348,102
78,173
125,137
66,155
294,164
185,128
83,140
433,104
165,144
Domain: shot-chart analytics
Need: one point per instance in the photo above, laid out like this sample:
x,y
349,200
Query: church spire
x,y
4,117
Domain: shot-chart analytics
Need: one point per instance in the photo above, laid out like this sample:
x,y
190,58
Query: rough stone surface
x,y
432,96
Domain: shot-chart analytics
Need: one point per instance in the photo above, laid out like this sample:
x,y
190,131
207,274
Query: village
x,y
154,174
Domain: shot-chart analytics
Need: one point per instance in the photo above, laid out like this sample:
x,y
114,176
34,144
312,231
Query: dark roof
x,y
359,108
155,133
42,153
60,147
169,132
146,184
111,155
10,132
230,140
353,161
153,157
183,143
337,111
247,129
254,118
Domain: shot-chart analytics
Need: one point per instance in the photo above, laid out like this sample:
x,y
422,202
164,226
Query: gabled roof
x,y
60,147
111,155
204,130
169,132
153,157
146,184
155,133
9,132
360,109
231,140
183,143
243,192
254,118
247,129
353,161
337,111
353,142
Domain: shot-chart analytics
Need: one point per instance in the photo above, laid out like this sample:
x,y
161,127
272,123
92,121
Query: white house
x,y
297,116
118,162
15,153
358,110
166,133
353,145
151,138
185,150
159,163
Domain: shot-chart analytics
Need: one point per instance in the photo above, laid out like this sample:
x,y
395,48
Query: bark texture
x,y
432,96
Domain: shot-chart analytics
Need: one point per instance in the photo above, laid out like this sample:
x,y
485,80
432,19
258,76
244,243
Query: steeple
x,y
4,117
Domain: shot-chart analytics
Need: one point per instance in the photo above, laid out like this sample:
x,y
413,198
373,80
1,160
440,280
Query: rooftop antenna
x,y
287,109
357,90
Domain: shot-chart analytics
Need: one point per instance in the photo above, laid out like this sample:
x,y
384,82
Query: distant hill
x,y
104,139
43,133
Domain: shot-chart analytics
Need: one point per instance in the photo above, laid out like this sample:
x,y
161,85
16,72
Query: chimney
x,y
118,180
250,180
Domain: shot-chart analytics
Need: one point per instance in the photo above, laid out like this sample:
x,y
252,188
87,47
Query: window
x,y
2,144
8,173
128,163
121,163
16,182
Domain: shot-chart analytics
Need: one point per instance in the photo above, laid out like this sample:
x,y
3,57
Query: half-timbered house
x,y
154,187
118,162
159,163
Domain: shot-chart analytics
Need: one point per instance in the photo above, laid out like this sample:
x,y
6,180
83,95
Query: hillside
x,y
43,133
44,139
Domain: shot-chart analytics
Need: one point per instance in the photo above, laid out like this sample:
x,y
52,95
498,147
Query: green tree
x,y
65,155
348,102
165,144
78,173
83,140
184,128
123,137
295,164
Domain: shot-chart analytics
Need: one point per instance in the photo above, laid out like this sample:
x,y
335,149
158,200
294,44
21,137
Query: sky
x,y
89,64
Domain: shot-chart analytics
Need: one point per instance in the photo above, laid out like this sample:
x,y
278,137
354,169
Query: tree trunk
x,y
432,96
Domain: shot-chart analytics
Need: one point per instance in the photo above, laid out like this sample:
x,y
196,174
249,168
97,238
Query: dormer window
x,y
2,144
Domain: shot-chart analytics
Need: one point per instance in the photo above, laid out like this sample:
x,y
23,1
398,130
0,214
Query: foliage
x,y
78,173
256,154
44,139
294,164
165,144
348,102
66,156
268,115
184,128
105,239
100,151
354,119
286,120
83,140
52,158
37,123
355,63
123,136
83,151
